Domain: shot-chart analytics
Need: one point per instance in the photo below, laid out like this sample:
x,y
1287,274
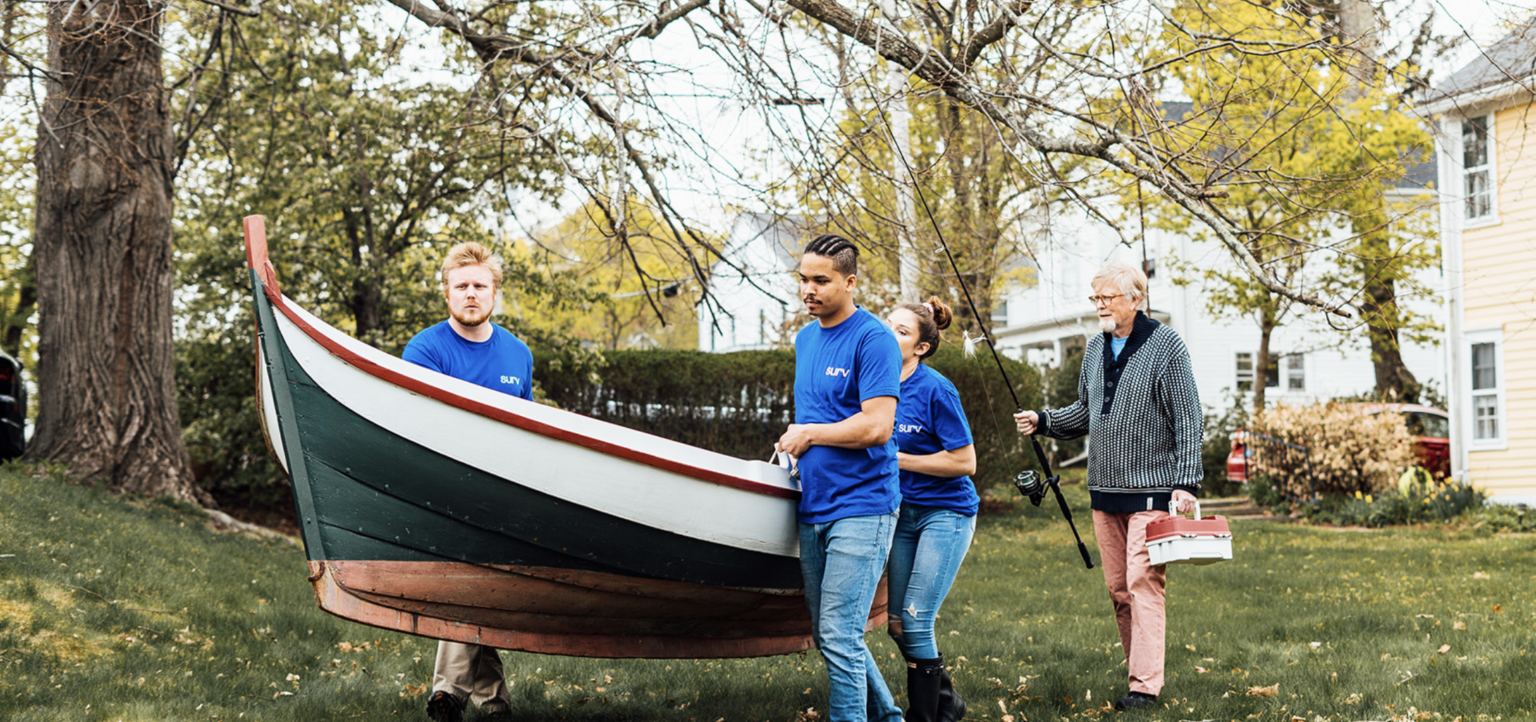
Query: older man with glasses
x,y
1137,401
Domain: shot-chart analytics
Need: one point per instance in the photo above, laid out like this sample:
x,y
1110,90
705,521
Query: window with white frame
x,y
1477,168
1000,314
1296,372
1244,372
1486,360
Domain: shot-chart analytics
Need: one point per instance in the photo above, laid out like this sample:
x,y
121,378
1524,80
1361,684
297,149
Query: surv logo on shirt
x,y
512,380
910,428
837,372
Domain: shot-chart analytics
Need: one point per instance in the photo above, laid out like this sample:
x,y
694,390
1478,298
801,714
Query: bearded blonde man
x,y
468,346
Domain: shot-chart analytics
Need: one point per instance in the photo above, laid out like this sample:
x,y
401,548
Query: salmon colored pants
x,y
1137,590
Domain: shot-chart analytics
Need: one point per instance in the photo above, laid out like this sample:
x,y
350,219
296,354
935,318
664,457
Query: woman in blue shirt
x,y
936,456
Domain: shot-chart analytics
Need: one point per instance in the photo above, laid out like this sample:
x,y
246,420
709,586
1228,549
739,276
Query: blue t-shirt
x,y
836,370
502,363
1117,344
929,419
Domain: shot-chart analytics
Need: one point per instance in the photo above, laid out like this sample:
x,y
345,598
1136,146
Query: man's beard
x,y
1107,325
470,319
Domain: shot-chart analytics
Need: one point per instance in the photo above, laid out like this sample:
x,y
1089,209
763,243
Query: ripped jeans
x,y
930,543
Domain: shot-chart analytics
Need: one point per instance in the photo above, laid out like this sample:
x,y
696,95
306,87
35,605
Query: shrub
x,y
1418,503
740,403
1502,517
1058,385
1348,449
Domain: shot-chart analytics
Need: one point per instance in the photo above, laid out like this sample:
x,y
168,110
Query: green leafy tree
x,y
639,294
367,175
977,193
1303,157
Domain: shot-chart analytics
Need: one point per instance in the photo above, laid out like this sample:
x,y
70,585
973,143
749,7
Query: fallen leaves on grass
x,y
1270,691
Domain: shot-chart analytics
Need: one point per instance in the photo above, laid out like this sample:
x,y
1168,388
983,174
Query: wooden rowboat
x,y
433,506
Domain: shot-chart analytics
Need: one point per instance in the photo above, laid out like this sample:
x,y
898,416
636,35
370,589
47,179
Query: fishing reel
x,y
1030,485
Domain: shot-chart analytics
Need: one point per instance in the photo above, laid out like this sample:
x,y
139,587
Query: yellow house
x,y
1486,141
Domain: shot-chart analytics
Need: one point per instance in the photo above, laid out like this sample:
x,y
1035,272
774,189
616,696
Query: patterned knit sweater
x,y
1144,418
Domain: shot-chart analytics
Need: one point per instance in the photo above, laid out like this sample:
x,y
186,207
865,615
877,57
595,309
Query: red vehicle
x,y
1429,427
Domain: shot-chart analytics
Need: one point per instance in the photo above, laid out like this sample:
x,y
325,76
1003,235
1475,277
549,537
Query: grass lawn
x,y
111,610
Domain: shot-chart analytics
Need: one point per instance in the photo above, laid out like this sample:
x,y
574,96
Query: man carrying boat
x,y
469,347
847,380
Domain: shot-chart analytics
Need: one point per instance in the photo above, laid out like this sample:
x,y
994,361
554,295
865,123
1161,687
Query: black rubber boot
x,y
923,679
951,705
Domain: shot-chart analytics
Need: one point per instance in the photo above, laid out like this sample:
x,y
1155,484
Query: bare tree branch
x,y
254,11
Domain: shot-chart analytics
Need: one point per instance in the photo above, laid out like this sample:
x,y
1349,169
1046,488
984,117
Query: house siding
x,y
1500,292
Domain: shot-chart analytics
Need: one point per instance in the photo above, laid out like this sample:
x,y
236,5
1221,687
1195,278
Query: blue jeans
x,y
842,561
930,543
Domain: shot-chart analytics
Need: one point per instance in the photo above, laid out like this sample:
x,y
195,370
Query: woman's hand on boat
x,y
796,440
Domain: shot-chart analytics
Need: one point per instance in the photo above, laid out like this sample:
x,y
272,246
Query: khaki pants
x,y
1137,589
473,673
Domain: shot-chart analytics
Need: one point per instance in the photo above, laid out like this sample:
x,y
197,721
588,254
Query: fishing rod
x,y
1028,483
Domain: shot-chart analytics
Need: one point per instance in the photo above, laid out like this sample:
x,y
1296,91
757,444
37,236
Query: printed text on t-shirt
x,y
836,372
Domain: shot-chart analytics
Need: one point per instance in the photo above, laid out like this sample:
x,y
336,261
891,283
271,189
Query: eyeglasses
x,y
1096,300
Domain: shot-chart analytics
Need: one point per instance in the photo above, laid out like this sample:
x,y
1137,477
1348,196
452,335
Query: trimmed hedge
x,y
740,403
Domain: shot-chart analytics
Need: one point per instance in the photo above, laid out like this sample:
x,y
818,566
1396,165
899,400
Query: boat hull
x,y
434,507
560,611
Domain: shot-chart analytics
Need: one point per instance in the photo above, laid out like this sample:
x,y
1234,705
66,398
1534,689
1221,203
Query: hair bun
x,y
942,314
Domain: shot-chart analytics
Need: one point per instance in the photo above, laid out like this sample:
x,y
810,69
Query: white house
x,y
755,299
1314,361
754,292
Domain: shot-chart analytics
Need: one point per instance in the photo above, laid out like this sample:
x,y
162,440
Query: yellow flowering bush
x,y
1353,449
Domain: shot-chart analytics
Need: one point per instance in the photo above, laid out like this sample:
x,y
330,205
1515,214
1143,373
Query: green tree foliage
x,y
636,294
367,175
1304,157
977,192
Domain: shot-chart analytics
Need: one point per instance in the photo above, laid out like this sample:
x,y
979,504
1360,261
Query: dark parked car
x,y
1429,427
13,408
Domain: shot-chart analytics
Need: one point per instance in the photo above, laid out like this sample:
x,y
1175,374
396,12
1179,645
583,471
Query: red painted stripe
x,y
513,419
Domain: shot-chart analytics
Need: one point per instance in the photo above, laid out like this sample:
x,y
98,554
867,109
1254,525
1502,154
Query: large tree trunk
x,y
106,387
1394,382
1261,360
